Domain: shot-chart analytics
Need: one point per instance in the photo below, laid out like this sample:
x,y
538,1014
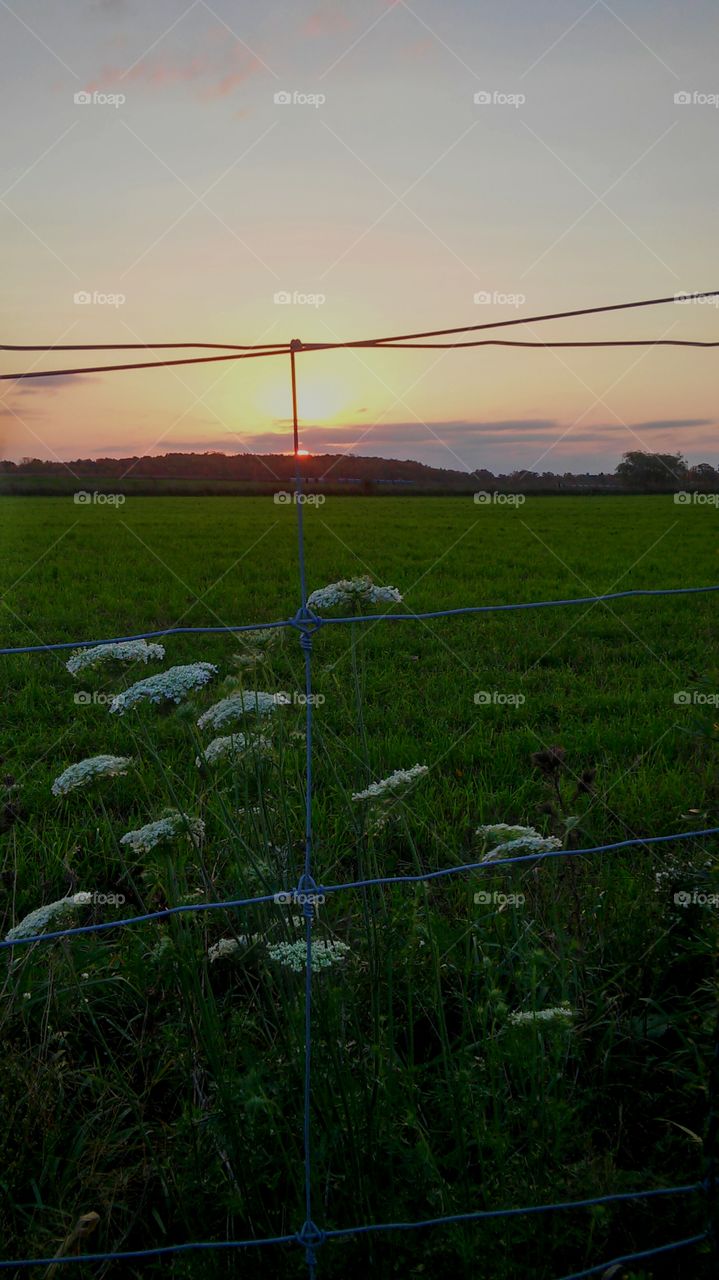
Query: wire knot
x,y
311,896
311,1237
306,622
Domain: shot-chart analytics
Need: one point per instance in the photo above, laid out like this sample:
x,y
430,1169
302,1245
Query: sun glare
x,y
318,399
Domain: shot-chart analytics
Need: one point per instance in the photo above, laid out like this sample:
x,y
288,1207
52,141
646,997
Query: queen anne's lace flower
x,y
78,775
396,781
53,913
349,590
173,824
122,651
234,744
240,704
172,685
294,954
556,1014
225,947
515,840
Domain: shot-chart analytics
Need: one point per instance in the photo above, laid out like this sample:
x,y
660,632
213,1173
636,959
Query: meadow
x,y
162,1088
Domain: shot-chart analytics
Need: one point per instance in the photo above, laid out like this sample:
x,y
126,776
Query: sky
x,y
252,173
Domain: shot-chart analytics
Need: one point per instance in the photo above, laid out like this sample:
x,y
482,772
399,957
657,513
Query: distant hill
x,y
247,474
215,472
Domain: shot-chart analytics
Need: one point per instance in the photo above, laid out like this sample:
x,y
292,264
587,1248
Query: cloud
x,y
217,69
672,424
325,21
57,382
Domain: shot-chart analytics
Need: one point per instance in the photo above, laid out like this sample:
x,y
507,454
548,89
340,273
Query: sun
x,y
303,453
319,400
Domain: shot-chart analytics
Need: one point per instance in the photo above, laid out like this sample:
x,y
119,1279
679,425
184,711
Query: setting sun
x,y
321,399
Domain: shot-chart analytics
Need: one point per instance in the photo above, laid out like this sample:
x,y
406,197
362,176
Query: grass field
x,y
163,1091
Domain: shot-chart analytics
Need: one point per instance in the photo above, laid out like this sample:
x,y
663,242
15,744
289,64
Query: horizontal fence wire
x,y
317,622
338,1233
310,1236
280,896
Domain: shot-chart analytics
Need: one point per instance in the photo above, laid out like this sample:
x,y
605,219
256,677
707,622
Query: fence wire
x,y
309,1236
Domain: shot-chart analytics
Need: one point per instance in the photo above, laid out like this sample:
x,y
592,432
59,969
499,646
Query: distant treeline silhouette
x,y
246,473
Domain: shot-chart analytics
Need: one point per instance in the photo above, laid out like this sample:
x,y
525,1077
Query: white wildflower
x,y
350,591
172,685
55,914
294,954
515,840
225,947
503,831
395,782
78,775
236,744
174,824
255,648
240,704
556,1014
122,651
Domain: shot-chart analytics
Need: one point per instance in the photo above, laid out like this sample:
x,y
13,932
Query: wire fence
x,y
309,1236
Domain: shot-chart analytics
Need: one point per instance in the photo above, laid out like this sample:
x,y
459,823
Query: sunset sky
x,y
384,192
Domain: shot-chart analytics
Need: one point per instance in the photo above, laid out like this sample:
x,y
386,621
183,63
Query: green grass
x,y
165,1093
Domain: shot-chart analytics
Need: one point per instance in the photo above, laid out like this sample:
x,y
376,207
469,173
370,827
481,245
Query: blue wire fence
x,y
310,1236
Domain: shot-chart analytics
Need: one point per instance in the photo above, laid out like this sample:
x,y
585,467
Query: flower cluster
x,y
229,946
556,1014
172,685
515,840
255,648
78,775
54,913
237,705
174,824
234,744
351,591
122,651
294,954
396,781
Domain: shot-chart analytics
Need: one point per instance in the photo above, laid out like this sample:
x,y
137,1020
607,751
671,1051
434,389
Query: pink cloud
x,y
325,22
216,71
